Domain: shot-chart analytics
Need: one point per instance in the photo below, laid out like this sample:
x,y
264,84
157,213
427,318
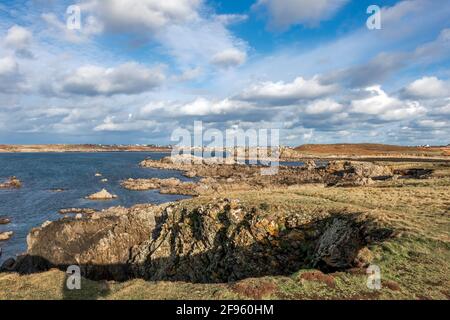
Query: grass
x,y
414,264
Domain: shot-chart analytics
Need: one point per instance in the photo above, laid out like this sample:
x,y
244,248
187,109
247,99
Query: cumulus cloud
x,y
281,93
323,106
198,107
385,107
428,88
128,78
11,79
91,26
111,124
19,39
229,58
141,16
284,13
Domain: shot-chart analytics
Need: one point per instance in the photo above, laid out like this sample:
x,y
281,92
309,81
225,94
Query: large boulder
x,y
100,244
101,195
354,173
338,246
4,220
6,235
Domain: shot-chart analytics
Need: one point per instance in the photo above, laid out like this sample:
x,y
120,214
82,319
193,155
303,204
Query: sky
x,y
134,71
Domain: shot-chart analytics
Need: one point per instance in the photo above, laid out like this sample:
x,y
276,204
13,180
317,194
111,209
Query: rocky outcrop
x,y
101,243
310,164
353,173
4,236
101,195
166,186
414,173
4,220
11,183
221,241
77,211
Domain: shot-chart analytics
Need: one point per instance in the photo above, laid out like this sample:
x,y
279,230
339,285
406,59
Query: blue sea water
x,y
35,202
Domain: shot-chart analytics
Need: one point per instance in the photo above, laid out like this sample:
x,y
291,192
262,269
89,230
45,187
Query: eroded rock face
x,y
338,246
217,242
225,241
100,244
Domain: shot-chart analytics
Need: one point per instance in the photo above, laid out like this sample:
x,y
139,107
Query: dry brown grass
x,y
367,149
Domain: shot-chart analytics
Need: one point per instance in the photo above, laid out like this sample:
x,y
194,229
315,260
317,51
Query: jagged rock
x,y
166,186
353,173
6,235
310,164
221,241
101,247
11,183
4,220
77,211
338,246
101,195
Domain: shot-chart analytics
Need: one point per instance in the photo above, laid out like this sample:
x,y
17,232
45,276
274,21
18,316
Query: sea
x,y
75,174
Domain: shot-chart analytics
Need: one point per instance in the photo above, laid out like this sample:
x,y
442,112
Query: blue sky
x,y
139,69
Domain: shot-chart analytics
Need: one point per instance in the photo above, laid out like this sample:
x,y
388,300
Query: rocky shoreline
x,y
221,240
217,242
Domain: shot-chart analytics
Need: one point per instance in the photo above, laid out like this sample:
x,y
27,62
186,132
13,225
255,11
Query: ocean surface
x,y
36,202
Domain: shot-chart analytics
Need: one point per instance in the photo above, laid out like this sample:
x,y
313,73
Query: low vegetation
x,y
413,261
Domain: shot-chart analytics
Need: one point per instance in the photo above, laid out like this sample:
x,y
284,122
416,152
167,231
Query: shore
x,y
302,233
57,148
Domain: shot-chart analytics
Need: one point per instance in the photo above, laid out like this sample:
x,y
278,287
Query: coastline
x,y
88,148
247,236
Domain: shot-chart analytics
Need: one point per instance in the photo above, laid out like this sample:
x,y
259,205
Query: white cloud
x,y
229,58
128,78
428,87
109,124
323,106
387,108
284,13
200,43
429,123
198,107
19,39
142,16
11,79
286,93
91,26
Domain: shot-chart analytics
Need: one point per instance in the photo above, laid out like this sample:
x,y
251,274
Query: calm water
x,y
35,203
